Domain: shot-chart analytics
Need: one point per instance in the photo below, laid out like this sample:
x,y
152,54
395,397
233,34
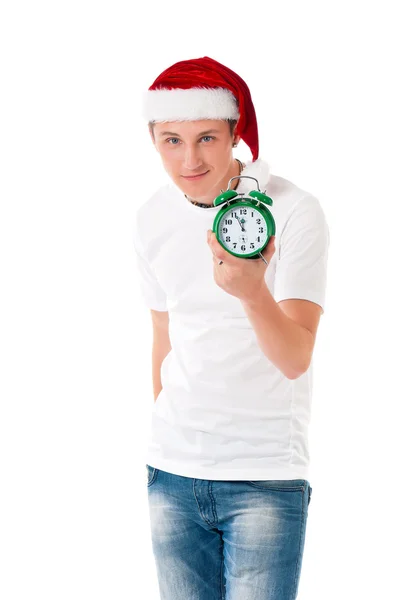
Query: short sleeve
x,y
301,270
152,294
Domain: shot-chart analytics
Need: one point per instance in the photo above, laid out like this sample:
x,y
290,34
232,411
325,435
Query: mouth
x,y
195,177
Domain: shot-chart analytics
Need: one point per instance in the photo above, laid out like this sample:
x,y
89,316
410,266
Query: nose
x,y
192,159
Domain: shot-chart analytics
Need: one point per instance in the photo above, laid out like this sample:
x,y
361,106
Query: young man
x,y
227,464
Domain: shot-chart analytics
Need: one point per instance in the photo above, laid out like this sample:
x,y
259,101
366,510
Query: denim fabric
x,y
227,540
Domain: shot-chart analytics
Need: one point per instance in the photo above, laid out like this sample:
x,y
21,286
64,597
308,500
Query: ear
x,y
236,138
153,138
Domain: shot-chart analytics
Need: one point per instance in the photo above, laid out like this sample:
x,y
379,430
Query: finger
x,y
217,249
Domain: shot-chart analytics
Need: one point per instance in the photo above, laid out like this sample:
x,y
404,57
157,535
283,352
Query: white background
x,y
329,82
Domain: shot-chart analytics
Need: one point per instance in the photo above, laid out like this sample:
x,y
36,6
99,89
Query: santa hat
x,y
202,88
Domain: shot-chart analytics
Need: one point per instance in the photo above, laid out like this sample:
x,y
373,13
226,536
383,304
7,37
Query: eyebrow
x,y
200,134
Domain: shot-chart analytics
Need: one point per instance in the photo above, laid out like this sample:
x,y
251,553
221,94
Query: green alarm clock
x,y
244,224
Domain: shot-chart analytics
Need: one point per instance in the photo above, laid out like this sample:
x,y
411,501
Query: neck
x,y
206,201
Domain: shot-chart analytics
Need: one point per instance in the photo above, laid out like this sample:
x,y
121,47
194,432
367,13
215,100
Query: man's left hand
x,y
240,277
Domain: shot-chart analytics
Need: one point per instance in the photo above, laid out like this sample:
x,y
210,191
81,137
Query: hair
x,y
232,125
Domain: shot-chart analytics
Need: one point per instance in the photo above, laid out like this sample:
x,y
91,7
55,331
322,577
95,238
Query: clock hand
x,y
238,220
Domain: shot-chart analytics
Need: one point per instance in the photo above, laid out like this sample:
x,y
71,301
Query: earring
x,y
234,146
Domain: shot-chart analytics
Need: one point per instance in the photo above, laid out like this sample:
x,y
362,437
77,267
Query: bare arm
x,y
286,330
161,346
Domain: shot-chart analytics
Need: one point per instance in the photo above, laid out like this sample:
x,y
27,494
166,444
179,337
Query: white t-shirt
x,y
225,411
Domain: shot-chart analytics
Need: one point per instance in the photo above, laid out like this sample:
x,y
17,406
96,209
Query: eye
x,y
169,139
208,136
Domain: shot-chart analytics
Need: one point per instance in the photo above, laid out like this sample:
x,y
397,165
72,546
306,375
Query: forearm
x,y
285,343
159,353
157,383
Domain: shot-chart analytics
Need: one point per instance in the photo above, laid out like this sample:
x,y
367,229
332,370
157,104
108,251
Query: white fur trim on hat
x,y
189,105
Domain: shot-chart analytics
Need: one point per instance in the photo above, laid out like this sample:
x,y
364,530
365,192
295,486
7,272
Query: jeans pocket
x,y
151,473
279,484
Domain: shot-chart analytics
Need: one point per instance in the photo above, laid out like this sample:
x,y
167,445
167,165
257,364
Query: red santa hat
x,y
202,88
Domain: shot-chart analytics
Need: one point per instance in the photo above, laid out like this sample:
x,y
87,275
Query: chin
x,y
196,187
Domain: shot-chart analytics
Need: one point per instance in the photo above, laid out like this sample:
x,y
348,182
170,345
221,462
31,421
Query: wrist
x,y
257,297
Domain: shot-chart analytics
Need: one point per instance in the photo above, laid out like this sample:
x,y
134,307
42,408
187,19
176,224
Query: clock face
x,y
243,229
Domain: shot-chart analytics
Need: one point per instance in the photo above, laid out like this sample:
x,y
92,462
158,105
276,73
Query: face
x,y
197,155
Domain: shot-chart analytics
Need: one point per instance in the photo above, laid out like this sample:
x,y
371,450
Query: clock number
x,y
228,238
243,211
243,247
260,229
234,244
258,221
252,245
258,238
228,221
224,230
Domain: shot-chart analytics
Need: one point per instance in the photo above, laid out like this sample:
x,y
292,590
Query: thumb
x,y
270,249
272,243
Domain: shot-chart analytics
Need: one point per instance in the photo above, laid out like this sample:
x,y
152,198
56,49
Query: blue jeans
x,y
231,540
